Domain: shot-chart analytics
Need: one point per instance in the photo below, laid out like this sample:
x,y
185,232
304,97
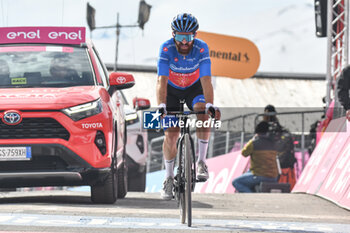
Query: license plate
x,y
15,153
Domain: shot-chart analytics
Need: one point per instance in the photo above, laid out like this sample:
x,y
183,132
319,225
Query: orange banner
x,y
231,56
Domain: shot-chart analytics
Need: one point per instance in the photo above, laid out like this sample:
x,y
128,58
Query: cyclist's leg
x,y
171,134
203,132
169,147
169,144
195,101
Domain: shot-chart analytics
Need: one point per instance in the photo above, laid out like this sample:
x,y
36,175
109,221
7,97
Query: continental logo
x,y
231,56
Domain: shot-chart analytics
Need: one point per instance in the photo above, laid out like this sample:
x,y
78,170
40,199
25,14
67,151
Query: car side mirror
x,y
121,80
141,103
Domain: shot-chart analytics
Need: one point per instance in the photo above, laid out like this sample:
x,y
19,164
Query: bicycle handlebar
x,y
185,112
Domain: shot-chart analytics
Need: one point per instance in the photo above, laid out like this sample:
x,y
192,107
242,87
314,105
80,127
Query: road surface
x,y
72,211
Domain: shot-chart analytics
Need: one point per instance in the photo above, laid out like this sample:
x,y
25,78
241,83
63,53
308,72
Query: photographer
x,y
263,166
284,146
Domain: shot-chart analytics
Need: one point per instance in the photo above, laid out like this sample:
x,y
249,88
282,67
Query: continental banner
x,y
231,56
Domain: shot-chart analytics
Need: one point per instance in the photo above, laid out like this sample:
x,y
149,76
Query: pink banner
x,y
345,201
22,49
310,175
298,167
329,160
54,35
313,164
36,49
222,170
337,183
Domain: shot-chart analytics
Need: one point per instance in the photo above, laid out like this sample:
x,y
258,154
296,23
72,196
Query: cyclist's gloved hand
x,y
214,112
162,109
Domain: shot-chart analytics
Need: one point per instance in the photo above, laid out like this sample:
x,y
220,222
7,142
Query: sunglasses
x,y
181,37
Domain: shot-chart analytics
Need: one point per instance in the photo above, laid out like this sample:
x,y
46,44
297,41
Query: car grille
x,y
36,164
34,128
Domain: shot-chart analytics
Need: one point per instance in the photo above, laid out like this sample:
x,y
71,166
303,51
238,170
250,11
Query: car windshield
x,y
44,66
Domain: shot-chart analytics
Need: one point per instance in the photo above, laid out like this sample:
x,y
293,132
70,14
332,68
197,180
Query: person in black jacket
x,y
263,165
283,137
284,145
343,90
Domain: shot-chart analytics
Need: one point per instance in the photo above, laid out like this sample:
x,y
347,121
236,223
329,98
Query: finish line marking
x,y
37,220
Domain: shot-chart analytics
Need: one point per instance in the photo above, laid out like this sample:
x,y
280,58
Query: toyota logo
x,y
121,80
12,118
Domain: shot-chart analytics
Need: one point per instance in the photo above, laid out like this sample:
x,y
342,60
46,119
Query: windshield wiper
x,y
17,86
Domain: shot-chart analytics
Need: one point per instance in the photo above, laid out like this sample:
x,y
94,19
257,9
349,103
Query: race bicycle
x,y
185,178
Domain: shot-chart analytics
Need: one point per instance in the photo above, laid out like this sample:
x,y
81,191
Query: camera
x,y
274,130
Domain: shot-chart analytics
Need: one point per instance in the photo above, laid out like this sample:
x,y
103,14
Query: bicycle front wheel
x,y
181,181
188,178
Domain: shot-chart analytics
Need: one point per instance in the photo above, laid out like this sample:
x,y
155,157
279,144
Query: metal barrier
x,y
233,134
221,141
230,122
155,155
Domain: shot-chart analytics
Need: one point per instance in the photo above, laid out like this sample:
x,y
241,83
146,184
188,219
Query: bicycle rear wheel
x,y
182,203
188,178
181,181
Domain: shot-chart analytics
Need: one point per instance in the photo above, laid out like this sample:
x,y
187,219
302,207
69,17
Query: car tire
x,y
137,183
123,174
105,192
122,181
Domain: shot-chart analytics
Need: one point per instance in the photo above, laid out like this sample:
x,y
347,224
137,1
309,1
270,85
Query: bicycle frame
x,y
183,131
186,167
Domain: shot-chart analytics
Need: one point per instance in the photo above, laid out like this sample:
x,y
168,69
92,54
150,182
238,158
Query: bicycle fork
x,y
179,183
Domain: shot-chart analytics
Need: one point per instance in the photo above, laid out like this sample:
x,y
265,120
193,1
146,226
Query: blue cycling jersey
x,y
184,71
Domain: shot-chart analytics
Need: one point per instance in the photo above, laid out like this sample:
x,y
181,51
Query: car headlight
x,y
131,118
82,111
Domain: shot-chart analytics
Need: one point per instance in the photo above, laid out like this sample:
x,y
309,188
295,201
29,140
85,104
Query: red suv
x,y
62,121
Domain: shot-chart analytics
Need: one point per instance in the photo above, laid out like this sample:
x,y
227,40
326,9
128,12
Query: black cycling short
x,y
191,95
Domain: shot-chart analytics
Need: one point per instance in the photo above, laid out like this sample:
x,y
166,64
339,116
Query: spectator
x,y
284,146
343,90
263,165
321,128
312,133
314,127
270,115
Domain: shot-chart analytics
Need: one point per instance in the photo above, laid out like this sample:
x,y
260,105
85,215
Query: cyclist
x,y
184,72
